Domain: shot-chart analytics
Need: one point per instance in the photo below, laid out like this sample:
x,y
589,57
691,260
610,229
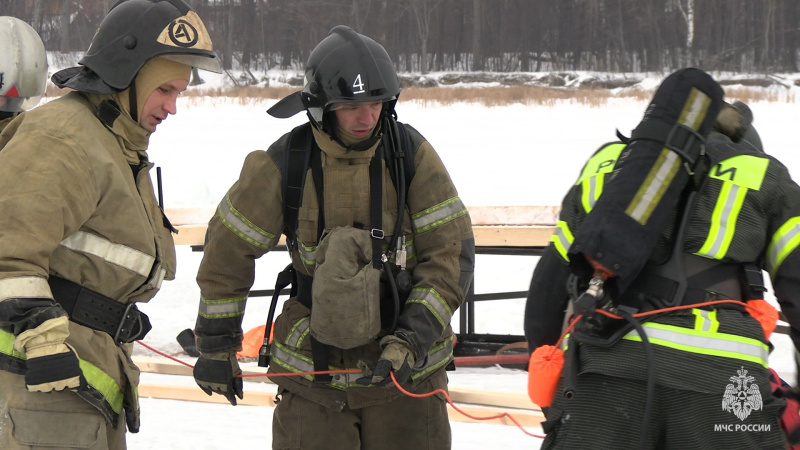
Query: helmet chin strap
x,y
134,108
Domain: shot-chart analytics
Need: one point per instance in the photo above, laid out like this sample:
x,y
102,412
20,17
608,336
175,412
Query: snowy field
x,y
511,155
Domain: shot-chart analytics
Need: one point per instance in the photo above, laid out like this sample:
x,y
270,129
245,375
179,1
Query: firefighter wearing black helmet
x,y
84,240
343,315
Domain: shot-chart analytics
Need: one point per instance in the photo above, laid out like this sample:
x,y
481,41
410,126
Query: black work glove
x,y
396,357
218,372
51,364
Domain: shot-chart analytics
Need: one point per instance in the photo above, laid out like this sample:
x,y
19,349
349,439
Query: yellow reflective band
x,y
222,308
704,342
705,320
437,215
695,109
723,221
654,186
7,345
783,242
433,302
562,239
666,166
95,377
593,175
242,227
104,384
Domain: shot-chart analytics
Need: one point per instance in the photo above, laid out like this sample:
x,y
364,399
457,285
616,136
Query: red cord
x,y
394,380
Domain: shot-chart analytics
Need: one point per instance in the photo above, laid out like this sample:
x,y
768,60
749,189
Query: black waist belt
x,y
124,323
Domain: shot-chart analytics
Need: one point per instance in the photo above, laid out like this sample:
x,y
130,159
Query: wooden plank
x,y
480,215
458,395
525,418
485,236
493,226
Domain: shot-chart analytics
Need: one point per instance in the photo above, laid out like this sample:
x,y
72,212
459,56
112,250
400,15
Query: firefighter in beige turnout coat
x,y
356,410
83,239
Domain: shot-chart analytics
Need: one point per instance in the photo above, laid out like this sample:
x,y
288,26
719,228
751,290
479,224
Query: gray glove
x,y
396,357
218,372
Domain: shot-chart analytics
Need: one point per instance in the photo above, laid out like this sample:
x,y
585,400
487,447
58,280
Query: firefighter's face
x,y
358,118
161,103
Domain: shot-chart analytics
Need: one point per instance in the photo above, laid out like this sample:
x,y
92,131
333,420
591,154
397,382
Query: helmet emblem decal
x,y
358,85
182,33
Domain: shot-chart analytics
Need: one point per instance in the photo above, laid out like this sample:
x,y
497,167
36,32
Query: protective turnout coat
x,y
249,222
747,211
78,203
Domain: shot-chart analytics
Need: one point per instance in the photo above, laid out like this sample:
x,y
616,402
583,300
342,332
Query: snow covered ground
x,y
511,155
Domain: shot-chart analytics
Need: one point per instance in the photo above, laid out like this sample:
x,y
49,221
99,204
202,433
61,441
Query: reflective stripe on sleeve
x,y
24,287
783,242
245,229
434,303
118,254
222,308
562,239
437,215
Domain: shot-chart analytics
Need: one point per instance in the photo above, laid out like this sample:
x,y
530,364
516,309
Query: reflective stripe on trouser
x,y
102,391
70,421
702,340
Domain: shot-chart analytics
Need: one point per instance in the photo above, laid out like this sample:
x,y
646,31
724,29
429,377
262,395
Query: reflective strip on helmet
x,y
433,302
24,287
783,242
704,342
437,215
562,239
96,378
738,174
668,162
593,176
244,228
222,308
117,254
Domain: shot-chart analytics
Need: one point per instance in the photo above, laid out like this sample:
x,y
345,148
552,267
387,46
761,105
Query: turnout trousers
x,y
404,423
37,420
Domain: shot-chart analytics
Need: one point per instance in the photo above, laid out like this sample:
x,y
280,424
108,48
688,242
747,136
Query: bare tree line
x,y
478,35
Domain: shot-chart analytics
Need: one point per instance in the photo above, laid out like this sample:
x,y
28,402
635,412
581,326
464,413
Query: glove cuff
x,y
47,338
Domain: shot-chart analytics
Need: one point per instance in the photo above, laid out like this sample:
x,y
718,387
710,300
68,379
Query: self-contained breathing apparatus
x,y
658,173
398,150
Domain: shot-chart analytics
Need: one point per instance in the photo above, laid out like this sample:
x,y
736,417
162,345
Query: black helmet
x,y
345,67
133,32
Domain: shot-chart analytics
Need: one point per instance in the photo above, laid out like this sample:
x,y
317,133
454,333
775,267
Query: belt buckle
x,y
128,319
